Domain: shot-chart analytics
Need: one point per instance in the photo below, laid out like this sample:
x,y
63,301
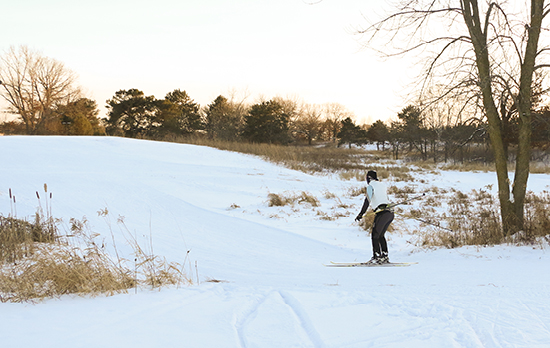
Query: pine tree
x,y
350,133
267,122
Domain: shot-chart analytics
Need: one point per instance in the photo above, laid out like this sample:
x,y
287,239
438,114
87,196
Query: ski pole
x,y
438,225
391,205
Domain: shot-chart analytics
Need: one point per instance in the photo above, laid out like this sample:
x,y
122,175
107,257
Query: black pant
x,y
382,221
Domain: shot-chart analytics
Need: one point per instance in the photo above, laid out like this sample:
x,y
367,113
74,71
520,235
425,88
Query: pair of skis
x,y
368,264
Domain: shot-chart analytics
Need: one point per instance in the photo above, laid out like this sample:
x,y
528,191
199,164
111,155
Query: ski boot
x,y
384,258
375,260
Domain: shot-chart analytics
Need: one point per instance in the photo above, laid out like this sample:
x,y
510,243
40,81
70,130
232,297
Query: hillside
x,y
257,271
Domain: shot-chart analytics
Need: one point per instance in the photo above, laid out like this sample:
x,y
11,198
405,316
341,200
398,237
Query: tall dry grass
x,y
350,164
473,218
37,262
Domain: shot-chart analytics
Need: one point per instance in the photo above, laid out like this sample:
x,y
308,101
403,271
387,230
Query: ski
x,y
366,264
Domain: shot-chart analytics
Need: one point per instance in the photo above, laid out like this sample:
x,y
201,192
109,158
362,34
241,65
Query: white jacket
x,y
377,194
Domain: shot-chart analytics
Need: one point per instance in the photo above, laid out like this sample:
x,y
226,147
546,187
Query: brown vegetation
x,y
36,262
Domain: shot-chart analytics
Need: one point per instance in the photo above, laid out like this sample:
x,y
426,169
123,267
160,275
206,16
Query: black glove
x,y
359,217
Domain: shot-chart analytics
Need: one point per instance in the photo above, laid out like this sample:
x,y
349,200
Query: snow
x,y
273,290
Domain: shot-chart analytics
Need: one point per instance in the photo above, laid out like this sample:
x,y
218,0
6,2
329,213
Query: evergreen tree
x,y
267,122
179,114
131,113
411,119
378,133
78,118
224,120
350,133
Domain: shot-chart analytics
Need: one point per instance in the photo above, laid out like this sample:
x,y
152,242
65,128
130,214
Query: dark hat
x,y
372,174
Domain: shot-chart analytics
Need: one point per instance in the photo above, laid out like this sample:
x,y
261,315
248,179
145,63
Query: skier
x,y
377,199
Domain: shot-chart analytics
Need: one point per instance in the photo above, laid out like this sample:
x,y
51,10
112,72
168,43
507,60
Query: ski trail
x,y
543,324
245,316
303,317
275,311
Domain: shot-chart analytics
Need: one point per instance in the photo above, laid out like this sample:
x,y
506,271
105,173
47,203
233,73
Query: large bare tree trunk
x,y
511,210
524,108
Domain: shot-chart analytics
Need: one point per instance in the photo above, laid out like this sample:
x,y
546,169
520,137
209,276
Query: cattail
x,y
197,269
11,204
135,274
37,195
45,187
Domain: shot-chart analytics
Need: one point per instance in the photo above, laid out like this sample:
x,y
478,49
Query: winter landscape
x,y
256,272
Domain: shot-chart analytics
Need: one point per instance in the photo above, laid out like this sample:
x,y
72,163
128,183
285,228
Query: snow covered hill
x,y
271,287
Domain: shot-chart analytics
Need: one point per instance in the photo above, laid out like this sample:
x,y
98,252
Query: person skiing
x,y
377,199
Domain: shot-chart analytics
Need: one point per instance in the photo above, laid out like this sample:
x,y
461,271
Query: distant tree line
x,y
42,93
278,121
417,134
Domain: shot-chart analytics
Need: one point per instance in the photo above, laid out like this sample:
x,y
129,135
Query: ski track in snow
x,y
280,301
302,315
244,316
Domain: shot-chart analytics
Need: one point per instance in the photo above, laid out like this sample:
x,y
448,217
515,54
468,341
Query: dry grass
x,y
18,238
37,262
367,222
469,167
539,168
402,193
54,267
56,270
534,167
288,198
389,172
474,219
350,164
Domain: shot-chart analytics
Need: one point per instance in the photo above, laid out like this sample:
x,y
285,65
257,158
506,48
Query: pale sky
x,y
267,48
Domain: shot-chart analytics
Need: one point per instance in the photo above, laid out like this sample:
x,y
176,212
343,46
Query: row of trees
x,y
132,113
43,94
41,91
417,133
429,133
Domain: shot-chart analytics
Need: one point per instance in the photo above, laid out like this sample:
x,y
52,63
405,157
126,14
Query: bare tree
x,y
480,51
307,122
334,115
34,85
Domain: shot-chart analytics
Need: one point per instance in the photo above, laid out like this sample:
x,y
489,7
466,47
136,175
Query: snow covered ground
x,y
272,289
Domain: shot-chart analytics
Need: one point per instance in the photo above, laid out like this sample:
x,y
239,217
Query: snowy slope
x,y
275,293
